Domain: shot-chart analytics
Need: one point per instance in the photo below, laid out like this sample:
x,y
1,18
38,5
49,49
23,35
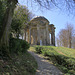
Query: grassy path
x,y
44,67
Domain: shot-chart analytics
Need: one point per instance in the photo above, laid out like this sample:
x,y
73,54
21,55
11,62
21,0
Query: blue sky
x,y
55,16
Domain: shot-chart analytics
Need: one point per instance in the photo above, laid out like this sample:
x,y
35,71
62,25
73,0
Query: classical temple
x,y
40,32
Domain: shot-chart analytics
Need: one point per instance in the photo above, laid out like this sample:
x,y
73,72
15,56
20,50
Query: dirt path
x,y
44,67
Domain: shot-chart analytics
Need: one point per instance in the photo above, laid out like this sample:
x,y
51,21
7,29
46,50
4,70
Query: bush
x,y
38,49
4,51
18,45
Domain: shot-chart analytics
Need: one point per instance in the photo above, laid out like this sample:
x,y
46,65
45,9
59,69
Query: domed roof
x,y
39,18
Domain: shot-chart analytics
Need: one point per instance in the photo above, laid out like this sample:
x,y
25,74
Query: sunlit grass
x,y
63,58
67,51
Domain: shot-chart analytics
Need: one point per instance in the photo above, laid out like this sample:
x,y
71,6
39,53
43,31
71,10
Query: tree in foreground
x,y
8,6
9,10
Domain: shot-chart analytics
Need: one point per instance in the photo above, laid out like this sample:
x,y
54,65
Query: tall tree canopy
x,y
20,19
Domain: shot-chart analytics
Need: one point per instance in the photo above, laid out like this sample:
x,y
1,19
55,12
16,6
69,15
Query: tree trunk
x,y
70,39
4,34
25,34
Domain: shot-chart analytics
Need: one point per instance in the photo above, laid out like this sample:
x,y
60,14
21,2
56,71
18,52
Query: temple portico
x,y
39,31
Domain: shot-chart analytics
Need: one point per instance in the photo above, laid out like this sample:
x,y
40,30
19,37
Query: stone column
x,y
54,39
38,35
53,36
48,38
44,36
30,35
33,36
47,35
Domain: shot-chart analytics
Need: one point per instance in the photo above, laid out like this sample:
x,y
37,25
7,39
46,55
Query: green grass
x,y
67,51
63,58
23,64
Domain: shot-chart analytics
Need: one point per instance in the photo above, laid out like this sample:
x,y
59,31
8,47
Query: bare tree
x,y
65,36
70,30
58,42
73,42
66,5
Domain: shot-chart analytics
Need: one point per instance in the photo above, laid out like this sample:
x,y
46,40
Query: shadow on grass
x,y
66,64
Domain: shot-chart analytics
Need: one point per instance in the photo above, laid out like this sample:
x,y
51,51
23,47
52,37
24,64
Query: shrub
x,y
4,51
38,49
18,45
24,45
45,52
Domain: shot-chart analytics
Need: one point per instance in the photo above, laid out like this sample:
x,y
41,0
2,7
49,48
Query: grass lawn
x,y
66,51
63,58
23,64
